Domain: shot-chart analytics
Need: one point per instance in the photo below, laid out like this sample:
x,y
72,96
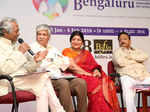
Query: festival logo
x,y
51,8
103,47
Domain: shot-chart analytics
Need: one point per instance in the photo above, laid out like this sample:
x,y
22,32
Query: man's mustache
x,y
122,43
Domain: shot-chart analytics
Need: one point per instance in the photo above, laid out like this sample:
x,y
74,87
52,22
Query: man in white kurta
x,y
16,62
55,62
129,63
11,61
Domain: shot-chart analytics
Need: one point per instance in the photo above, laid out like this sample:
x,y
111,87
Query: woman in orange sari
x,y
101,91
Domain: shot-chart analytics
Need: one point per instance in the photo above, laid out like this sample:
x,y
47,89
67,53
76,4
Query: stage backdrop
x,y
99,20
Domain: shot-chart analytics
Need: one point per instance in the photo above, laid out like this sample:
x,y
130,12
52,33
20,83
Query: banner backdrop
x,y
99,20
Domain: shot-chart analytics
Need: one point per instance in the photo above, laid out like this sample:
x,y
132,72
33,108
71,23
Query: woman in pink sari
x,y
101,91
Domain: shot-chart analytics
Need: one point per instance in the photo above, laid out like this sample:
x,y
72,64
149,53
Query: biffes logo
x,y
102,46
51,8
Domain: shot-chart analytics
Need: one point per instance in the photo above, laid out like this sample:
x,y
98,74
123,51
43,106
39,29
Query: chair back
x,y
110,68
114,75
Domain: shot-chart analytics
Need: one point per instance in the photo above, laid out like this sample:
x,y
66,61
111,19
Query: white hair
x,y
43,27
6,24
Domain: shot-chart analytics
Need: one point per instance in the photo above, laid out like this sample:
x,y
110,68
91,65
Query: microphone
x,y
20,40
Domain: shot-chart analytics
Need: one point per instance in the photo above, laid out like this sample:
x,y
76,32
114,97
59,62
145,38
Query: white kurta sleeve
x,y
65,63
10,62
30,65
121,59
139,55
61,61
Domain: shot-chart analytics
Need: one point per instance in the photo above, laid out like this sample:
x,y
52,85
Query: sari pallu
x,y
105,99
